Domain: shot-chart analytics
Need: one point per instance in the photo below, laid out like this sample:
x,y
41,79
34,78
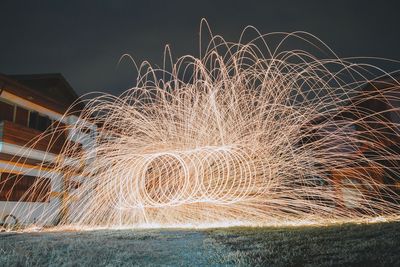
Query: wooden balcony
x,y
16,134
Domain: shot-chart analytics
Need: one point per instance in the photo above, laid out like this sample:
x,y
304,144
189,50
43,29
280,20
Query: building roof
x,y
52,85
50,90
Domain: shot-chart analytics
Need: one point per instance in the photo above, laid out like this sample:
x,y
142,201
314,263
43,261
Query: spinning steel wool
x,y
249,133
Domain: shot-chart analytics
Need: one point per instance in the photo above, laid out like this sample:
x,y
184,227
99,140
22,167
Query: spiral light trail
x,y
249,133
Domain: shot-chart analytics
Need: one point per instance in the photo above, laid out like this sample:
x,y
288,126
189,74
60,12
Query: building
x,y
372,116
30,105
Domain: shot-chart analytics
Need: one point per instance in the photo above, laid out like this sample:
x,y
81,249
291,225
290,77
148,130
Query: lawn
x,y
344,245
350,244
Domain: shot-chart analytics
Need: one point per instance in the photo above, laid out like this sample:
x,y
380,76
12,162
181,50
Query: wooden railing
x,y
16,134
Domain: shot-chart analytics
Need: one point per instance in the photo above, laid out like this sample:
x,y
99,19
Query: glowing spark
x,y
248,134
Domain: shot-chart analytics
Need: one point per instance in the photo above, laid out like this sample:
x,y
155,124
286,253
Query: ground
x,y
348,245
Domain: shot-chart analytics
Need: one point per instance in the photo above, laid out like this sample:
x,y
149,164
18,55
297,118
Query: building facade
x,y
32,106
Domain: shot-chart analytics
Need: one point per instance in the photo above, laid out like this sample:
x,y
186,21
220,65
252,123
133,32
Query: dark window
x,y
6,111
22,116
33,119
43,123
38,122
16,187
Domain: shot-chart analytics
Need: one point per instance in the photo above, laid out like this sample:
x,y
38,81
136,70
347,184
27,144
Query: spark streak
x,y
250,132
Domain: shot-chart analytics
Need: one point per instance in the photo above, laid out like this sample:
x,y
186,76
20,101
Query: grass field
x,y
351,244
345,245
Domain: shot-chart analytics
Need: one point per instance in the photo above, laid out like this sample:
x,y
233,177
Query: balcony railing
x,y
16,134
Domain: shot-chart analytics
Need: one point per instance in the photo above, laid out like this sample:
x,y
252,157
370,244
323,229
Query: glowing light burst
x,y
250,133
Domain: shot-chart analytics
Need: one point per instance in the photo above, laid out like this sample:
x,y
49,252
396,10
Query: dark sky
x,y
85,39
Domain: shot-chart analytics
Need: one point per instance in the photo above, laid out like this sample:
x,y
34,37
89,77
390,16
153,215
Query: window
x,y
33,118
21,116
17,187
38,122
6,111
43,123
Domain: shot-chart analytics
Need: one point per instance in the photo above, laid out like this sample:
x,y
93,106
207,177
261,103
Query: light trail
x,y
250,133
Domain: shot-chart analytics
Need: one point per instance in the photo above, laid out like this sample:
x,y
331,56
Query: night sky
x,y
84,40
